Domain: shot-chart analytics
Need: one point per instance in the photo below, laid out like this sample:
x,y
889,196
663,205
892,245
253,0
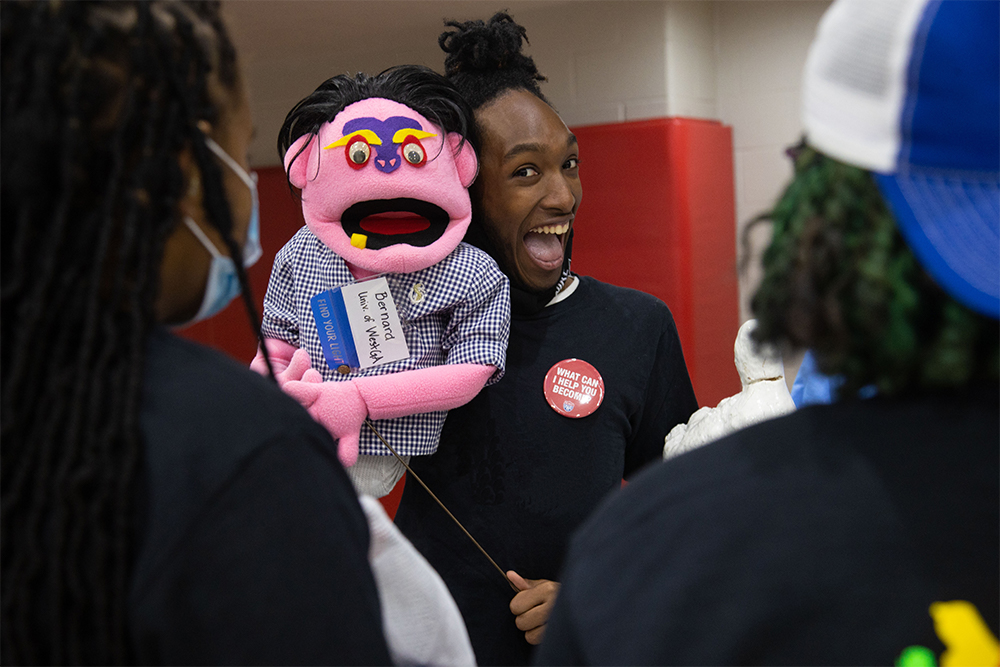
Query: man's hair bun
x,y
484,58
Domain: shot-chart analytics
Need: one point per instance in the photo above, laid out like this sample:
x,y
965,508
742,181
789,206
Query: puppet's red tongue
x,y
395,223
546,249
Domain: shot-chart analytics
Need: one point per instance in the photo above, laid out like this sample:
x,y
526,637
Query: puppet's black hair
x,y
484,59
98,100
840,279
418,87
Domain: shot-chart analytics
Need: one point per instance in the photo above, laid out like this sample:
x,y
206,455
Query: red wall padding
x,y
658,215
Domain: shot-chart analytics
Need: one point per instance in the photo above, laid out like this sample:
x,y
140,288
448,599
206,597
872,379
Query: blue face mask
x,y
223,284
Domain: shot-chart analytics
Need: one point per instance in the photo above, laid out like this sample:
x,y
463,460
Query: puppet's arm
x,y
288,361
342,406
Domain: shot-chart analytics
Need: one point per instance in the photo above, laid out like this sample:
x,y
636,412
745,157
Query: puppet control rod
x,y
416,477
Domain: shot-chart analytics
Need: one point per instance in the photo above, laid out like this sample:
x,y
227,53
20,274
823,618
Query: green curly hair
x,y
840,279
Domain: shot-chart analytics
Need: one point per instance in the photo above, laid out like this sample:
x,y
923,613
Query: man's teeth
x,y
552,229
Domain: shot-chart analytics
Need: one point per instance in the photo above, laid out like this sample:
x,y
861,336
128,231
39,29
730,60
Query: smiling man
x,y
594,379
528,189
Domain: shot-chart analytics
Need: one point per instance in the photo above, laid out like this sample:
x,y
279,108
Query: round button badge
x,y
573,388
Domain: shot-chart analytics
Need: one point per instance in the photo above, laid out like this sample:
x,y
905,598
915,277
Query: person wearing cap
x,y
864,531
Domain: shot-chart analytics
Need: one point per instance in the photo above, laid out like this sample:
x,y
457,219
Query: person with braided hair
x,y
520,471
160,504
865,531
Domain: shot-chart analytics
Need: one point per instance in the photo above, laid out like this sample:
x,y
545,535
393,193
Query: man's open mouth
x,y
380,223
545,245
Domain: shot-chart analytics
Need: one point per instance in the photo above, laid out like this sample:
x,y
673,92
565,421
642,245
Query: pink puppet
x,y
383,165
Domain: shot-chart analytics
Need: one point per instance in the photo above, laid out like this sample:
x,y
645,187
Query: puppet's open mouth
x,y
386,222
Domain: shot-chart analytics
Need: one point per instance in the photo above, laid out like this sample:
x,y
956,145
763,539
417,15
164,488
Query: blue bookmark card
x,y
334,329
359,312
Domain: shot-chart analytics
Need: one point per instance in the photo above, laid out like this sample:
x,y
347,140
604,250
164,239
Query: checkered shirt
x,y
454,312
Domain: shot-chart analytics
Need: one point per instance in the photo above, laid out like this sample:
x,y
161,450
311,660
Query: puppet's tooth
x,y
359,241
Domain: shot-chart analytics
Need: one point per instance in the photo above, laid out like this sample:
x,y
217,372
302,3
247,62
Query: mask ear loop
x,y
240,270
203,237
221,153
250,256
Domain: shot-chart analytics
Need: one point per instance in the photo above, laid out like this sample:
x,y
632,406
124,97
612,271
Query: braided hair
x,y
418,87
840,279
98,100
484,59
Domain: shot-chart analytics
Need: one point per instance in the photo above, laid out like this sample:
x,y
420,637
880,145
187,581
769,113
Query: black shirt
x,y
521,477
252,545
822,537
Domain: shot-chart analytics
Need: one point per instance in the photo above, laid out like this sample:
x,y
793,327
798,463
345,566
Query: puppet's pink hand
x,y
288,361
312,375
347,449
300,363
338,406
281,354
259,366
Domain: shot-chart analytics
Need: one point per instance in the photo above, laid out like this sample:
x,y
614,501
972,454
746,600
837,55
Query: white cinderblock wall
x,y
761,49
609,62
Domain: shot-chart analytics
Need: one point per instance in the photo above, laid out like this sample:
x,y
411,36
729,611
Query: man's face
x,y
528,187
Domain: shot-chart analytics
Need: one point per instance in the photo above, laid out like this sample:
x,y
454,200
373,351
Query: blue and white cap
x,y
910,90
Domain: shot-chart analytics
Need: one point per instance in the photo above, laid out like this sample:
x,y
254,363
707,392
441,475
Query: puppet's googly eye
x,y
358,152
414,152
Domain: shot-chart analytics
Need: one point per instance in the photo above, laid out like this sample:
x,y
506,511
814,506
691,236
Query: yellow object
x,y
967,638
369,136
359,241
409,132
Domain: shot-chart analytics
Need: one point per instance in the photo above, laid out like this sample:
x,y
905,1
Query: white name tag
x,y
371,312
